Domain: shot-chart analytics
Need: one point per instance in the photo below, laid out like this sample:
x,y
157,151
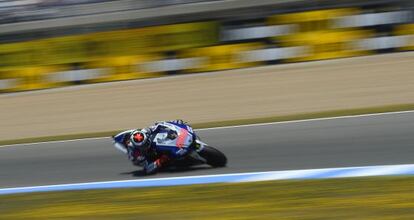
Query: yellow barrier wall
x,y
90,47
222,57
126,67
316,31
126,54
408,31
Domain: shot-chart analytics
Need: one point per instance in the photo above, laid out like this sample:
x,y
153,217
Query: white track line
x,y
310,120
323,173
235,126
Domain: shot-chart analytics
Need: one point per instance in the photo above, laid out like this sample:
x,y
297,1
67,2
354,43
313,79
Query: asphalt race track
x,y
358,141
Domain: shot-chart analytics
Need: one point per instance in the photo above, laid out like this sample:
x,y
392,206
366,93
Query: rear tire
x,y
214,157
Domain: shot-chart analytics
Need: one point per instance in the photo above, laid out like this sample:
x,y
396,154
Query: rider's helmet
x,y
139,139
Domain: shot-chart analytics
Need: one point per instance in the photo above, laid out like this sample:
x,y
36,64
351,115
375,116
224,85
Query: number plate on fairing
x,y
183,139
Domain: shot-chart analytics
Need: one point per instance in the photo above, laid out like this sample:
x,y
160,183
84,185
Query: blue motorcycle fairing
x,y
160,141
176,146
184,126
119,138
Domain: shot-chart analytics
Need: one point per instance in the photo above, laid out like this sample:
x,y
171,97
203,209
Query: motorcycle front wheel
x,y
214,157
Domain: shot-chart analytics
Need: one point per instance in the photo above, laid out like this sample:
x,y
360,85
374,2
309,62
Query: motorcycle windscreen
x,y
121,136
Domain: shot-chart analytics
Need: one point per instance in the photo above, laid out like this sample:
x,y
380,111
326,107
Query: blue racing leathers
x,y
148,156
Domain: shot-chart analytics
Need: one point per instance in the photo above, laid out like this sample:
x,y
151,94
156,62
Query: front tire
x,y
214,157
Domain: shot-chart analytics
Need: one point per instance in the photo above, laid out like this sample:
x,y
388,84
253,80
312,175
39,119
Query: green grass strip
x,y
301,116
350,198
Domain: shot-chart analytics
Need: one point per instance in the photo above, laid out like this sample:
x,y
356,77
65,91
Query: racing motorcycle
x,y
198,152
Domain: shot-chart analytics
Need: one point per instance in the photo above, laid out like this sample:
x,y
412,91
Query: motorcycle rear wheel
x,y
214,157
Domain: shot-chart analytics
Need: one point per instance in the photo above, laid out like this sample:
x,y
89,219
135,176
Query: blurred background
x,y
54,43
47,44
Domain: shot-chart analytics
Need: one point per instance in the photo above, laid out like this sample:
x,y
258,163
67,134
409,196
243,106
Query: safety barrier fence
x,y
204,46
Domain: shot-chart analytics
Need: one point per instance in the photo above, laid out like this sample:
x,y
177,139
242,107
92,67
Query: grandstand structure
x,y
31,10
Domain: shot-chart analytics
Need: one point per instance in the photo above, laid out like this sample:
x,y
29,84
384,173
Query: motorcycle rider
x,y
142,152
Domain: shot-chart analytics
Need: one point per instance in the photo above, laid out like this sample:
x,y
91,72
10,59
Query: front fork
x,y
199,146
